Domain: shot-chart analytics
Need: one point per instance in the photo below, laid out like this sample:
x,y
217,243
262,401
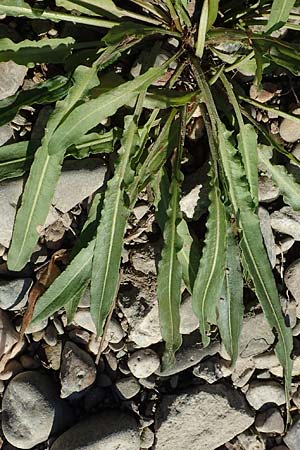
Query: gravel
x,y
143,363
263,392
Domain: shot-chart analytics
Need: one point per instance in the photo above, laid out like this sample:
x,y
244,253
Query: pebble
x,y
269,421
79,336
263,95
32,410
12,368
114,332
50,335
209,371
128,387
292,437
144,261
111,361
188,321
267,190
286,221
291,279
77,371
37,327
143,363
83,319
8,335
290,130
250,442
109,430
296,153
284,245
263,392
256,336
6,133
53,355
190,419
11,78
147,438
267,233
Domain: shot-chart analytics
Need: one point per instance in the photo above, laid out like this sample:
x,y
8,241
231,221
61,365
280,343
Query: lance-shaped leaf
x,y
28,52
48,91
90,114
213,8
169,279
203,24
287,185
189,255
43,177
230,306
254,253
279,15
67,286
209,281
247,143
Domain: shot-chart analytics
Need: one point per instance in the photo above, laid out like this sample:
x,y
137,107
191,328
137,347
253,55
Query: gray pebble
x,y
14,293
128,387
290,130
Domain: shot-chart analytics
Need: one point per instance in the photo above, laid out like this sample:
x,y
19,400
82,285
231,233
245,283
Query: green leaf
x,y
15,159
230,306
181,9
72,305
203,25
19,8
288,187
28,52
129,30
189,255
209,281
254,252
46,92
279,15
213,8
169,278
44,174
89,114
67,287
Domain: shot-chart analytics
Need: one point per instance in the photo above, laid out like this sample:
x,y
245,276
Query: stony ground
x,y
56,395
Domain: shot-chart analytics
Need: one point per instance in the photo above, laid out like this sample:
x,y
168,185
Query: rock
x,y
50,335
286,221
143,363
138,303
79,180
267,190
263,95
8,335
196,130
190,353
296,153
195,415
83,319
256,336
242,372
11,78
147,438
144,260
291,279
209,371
269,421
266,231
109,430
114,332
14,293
78,370
250,442
128,387
263,392
289,130
284,245
195,191
32,410
292,437
53,355
188,321
265,361
6,133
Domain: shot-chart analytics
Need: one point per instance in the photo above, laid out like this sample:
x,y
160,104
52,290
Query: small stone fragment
x,y
284,245
292,437
289,130
78,370
267,190
14,293
6,133
53,355
249,441
109,430
32,410
263,392
256,336
11,78
263,95
204,417
143,363
8,335
84,320
269,421
128,387
114,332
50,335
291,279
188,321
286,221
147,438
